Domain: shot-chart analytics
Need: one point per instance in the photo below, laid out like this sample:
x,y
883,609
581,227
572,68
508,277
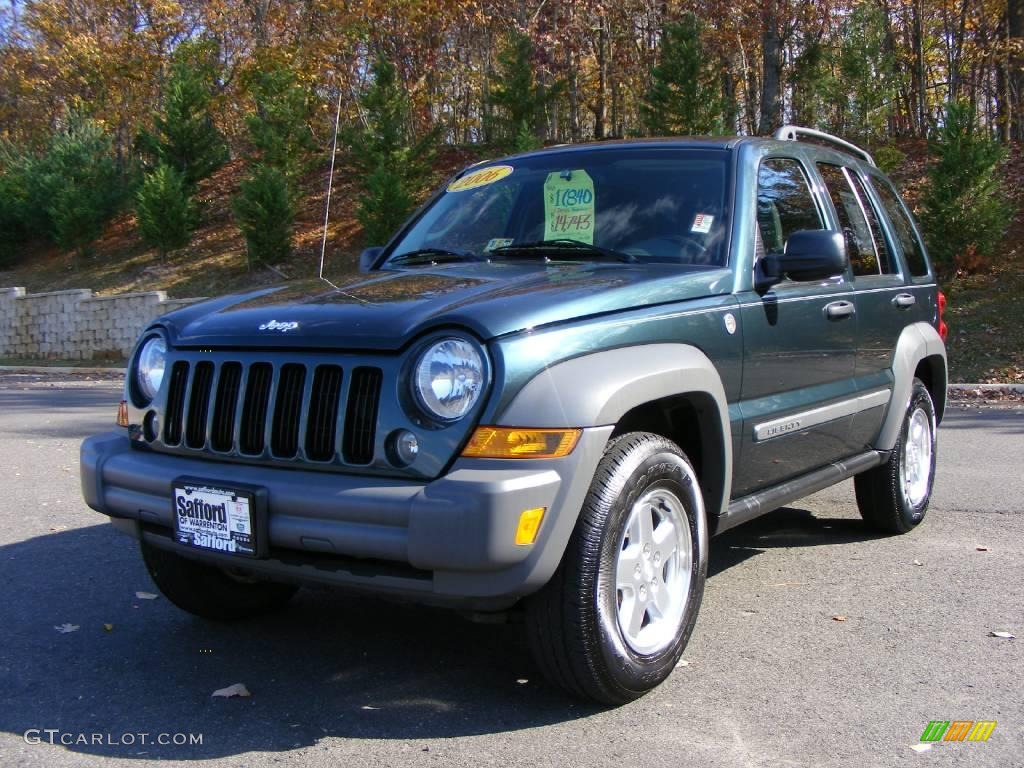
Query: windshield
x,y
635,204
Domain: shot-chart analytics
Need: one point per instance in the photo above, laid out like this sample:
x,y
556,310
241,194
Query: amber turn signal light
x,y
520,443
122,414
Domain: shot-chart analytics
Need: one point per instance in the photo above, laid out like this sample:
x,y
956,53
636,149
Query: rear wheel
x,y
212,592
894,497
613,621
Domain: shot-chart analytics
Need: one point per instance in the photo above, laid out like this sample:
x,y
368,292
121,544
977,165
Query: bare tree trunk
x,y
601,109
922,75
771,76
1015,73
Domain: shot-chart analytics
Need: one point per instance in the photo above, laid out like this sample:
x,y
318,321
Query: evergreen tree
x,y
966,211
394,163
76,183
279,128
265,213
520,101
684,98
184,136
165,210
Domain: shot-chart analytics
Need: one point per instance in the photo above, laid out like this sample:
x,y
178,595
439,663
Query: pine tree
x,y
966,211
279,128
395,164
684,97
184,136
520,101
165,211
265,213
76,183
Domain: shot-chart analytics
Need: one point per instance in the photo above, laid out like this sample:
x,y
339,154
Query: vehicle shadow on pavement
x,y
786,527
331,665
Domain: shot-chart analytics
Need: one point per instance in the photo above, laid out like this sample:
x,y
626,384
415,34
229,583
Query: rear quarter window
x,y
902,227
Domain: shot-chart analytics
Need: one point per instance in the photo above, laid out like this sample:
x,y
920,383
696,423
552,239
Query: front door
x,y
799,343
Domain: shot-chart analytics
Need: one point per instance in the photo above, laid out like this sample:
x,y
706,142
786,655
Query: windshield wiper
x,y
434,256
564,247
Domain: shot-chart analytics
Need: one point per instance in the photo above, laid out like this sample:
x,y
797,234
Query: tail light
x,y
943,328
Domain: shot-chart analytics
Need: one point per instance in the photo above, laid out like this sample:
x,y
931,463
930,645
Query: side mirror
x,y
810,254
368,257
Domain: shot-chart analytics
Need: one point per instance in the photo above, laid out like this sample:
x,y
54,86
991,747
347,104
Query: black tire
x,y
573,623
885,498
211,592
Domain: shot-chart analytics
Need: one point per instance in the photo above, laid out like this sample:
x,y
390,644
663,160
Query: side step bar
x,y
747,508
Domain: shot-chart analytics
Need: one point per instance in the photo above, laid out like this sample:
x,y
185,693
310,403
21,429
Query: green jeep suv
x,y
565,373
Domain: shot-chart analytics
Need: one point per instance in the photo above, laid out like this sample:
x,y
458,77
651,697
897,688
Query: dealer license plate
x,y
214,519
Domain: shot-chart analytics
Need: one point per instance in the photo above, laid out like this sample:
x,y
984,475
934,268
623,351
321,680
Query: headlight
x,y
149,370
449,378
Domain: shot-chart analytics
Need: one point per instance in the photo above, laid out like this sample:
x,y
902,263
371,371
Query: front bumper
x,y
446,541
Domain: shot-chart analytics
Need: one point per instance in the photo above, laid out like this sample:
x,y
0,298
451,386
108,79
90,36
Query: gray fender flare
x,y
917,342
600,388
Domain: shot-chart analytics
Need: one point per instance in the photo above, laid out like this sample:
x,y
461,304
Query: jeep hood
x,y
385,310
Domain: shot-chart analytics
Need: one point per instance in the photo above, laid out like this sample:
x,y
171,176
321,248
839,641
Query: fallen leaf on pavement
x,y
981,548
838,618
920,747
238,689
1002,634
146,596
65,628
682,663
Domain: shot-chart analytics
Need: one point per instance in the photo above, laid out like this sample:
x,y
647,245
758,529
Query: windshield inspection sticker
x,y
497,242
569,207
480,178
702,223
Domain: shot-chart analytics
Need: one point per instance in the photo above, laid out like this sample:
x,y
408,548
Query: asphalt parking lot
x,y
771,678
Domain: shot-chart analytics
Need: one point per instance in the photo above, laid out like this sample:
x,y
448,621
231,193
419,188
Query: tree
x,y
684,97
520,101
394,163
184,136
165,211
265,213
75,183
279,128
966,211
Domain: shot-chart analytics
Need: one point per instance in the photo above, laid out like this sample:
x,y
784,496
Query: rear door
x,y
884,305
798,347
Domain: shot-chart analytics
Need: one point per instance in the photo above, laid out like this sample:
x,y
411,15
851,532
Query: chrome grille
x,y
276,410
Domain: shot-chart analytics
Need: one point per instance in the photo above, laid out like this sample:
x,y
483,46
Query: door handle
x,y
837,310
904,300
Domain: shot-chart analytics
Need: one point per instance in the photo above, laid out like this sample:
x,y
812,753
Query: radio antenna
x,y
330,187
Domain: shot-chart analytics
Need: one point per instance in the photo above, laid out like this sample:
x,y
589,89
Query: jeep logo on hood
x,y
273,325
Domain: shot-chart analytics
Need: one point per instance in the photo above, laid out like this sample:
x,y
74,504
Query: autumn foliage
x,y
189,83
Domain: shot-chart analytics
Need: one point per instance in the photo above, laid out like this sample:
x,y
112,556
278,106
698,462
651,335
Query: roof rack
x,y
794,132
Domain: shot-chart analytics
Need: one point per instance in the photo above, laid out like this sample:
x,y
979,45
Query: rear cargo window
x,y
902,226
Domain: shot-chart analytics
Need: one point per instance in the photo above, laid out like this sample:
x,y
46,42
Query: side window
x,y
864,241
886,264
784,202
902,227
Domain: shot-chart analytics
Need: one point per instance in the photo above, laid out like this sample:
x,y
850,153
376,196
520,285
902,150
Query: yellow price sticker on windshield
x,y
569,207
480,178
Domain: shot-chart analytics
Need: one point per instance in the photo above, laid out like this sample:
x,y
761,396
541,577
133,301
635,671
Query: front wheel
x,y
613,621
894,497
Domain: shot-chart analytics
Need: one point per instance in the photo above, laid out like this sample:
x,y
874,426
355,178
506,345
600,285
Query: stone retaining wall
x,y
75,324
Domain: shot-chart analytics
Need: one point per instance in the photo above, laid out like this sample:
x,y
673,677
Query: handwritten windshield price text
x,y
564,198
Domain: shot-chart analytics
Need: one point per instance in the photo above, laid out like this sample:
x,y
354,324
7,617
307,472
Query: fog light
x,y
529,525
403,447
122,413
